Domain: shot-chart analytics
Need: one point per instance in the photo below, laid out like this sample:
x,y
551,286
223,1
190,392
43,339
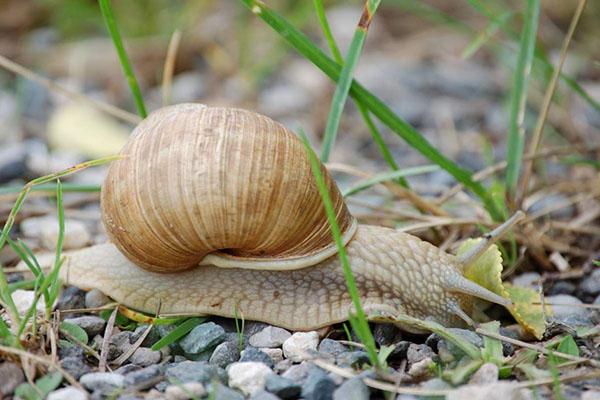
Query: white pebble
x,y
23,299
68,393
421,369
486,374
185,391
248,376
275,354
46,228
271,336
95,298
297,346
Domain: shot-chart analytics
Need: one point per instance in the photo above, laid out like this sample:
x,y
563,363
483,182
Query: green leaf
x,y
183,329
568,346
44,385
462,372
384,353
388,176
492,348
75,331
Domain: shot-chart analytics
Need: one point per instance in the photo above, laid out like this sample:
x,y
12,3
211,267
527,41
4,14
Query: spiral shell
x,y
224,186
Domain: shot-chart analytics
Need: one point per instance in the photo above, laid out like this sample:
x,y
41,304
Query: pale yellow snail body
x,y
216,211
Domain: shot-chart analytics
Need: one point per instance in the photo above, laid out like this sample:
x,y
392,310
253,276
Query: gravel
x,y
253,354
68,393
144,357
248,376
352,389
105,382
270,336
11,376
92,325
225,354
298,346
318,385
202,338
285,388
193,371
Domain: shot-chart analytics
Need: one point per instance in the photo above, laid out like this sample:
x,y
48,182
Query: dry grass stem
x,y
169,67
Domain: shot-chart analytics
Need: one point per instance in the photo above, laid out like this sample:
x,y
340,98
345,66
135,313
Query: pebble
x,y
527,279
225,354
591,285
11,376
299,344
192,371
91,324
249,376
253,354
494,391
332,347
71,298
486,374
203,337
297,373
185,391
95,298
143,378
149,340
282,366
68,393
271,336
23,300
222,392
263,395
285,388
352,389
562,287
144,357
591,395
75,366
104,382
569,314
421,369
275,354
418,352
352,359
119,344
76,234
318,385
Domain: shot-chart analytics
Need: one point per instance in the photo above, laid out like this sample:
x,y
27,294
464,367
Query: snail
x,y
215,211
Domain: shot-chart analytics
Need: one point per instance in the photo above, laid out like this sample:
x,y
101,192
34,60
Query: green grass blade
x,y
360,323
490,30
388,176
516,130
183,329
51,188
345,79
111,25
309,50
335,51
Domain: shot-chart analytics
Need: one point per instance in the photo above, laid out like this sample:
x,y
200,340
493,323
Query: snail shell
x,y
219,186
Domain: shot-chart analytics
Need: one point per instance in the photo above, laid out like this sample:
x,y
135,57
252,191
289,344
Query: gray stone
x,y
144,378
185,391
562,287
494,391
352,389
270,336
263,395
11,376
282,387
591,285
119,344
225,354
127,369
152,337
75,366
318,385
95,298
418,352
282,366
202,338
298,373
91,324
253,354
68,393
71,298
487,373
222,392
104,382
527,279
275,354
568,312
193,371
298,346
352,359
436,384
248,376
332,347
67,349
144,356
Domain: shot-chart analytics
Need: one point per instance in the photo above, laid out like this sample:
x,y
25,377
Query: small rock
x,y
248,376
591,395
127,369
282,366
282,387
185,391
569,313
192,371
11,376
263,395
562,287
203,337
75,366
299,344
436,384
91,324
494,391
95,298
444,346
332,347
67,349
275,354
222,392
527,279
486,374
253,354
418,352
271,336
353,359
318,385
421,369
144,357
105,382
76,234
253,327
71,298
68,393
225,354
352,389
23,300
118,344
151,338
591,285
143,378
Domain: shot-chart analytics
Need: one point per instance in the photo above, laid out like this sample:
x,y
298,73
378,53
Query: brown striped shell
x,y
222,186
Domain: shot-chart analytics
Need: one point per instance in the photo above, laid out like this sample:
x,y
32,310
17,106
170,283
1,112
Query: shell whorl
x,y
229,183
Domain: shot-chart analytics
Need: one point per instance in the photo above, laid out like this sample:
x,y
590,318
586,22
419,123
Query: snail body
x,y
215,211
